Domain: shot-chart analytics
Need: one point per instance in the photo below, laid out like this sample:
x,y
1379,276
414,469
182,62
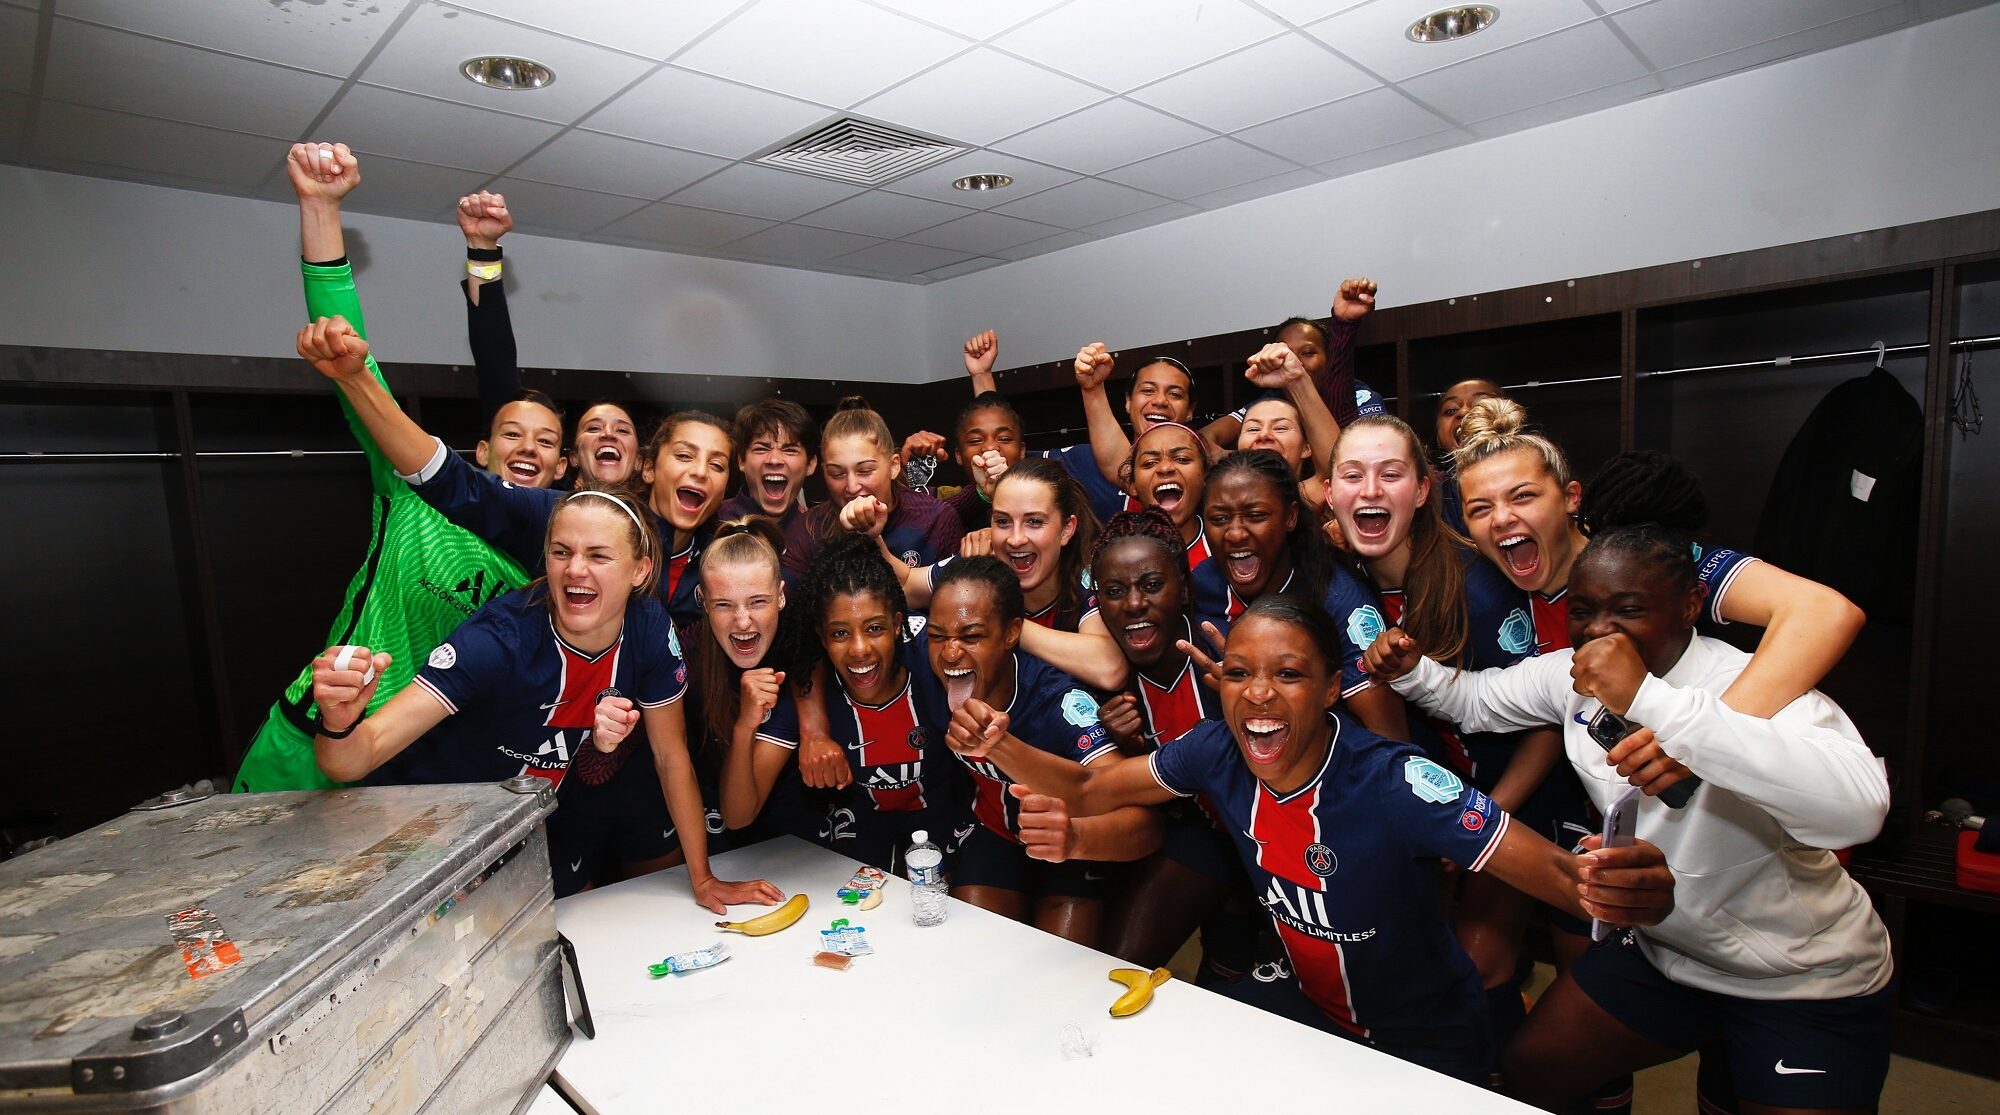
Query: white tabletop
x,y
976,1007
547,1102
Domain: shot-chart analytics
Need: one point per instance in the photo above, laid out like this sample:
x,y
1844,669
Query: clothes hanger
x,y
1881,353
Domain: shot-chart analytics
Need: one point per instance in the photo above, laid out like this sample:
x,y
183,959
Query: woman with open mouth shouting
x,y
552,681
1169,470
1340,831
1522,509
863,474
1384,495
974,657
1043,529
856,623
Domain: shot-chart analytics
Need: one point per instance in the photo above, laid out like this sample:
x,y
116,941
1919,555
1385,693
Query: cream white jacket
x,y
1761,909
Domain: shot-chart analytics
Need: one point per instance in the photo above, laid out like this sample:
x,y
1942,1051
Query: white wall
x,y
1901,128
93,263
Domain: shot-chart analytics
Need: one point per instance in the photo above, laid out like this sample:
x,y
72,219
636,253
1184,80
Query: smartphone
x,y
1608,728
1620,822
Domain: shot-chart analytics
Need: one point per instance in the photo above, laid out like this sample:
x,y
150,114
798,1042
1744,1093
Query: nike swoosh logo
x,y
553,704
578,866
1092,877
1578,717
1783,1071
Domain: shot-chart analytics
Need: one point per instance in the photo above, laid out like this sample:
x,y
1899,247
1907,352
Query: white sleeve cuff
x,y
431,467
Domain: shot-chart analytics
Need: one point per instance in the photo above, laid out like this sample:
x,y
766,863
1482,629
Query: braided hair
x,y
1663,547
1071,503
850,565
1643,486
1312,563
1149,523
984,570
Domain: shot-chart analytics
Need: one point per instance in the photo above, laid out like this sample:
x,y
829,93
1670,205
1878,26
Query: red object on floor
x,y
1977,870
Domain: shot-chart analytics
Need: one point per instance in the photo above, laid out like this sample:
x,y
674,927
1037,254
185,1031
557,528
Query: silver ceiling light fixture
x,y
1446,24
978,182
499,72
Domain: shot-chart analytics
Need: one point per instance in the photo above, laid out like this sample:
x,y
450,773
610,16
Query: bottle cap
x,y
920,836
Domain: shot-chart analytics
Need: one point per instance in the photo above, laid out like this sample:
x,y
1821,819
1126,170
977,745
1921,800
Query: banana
x,y
873,900
764,925
1139,985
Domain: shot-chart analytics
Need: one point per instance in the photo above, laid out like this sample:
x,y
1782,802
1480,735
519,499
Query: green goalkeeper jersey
x,y
421,578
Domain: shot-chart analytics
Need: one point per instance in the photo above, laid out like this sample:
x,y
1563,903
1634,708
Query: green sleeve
x,y
330,292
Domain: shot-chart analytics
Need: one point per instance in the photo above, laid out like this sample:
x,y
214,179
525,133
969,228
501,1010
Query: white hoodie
x,y
1761,910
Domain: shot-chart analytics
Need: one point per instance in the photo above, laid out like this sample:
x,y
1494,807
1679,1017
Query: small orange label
x,y
205,948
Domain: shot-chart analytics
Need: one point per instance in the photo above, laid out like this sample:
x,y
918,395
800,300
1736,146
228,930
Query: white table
x,y
976,1005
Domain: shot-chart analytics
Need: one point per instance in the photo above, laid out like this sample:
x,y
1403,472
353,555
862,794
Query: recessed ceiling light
x,y
507,73
983,182
1447,24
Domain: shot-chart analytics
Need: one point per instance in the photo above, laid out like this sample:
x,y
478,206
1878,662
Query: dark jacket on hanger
x,y
1843,505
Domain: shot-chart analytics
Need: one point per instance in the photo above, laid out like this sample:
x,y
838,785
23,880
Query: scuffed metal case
x,y
386,949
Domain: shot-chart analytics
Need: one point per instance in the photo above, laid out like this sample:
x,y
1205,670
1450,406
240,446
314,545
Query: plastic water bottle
x,y
925,862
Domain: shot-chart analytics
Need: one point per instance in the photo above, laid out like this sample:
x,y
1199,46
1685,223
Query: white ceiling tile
x,y
1393,153
1559,65
17,49
701,113
1938,9
836,52
1263,187
1086,201
1104,136
424,56
982,233
759,191
1373,119
665,224
1274,78
1303,12
96,141
1203,168
1172,211
935,182
1675,32
954,270
1373,34
1580,105
898,257
96,66
609,164
800,244
1823,37
423,130
1046,245
883,214
978,97
539,207
329,38
980,20
399,187
655,30
1168,36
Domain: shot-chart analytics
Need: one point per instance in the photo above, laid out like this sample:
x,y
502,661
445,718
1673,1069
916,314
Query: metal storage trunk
x,y
379,949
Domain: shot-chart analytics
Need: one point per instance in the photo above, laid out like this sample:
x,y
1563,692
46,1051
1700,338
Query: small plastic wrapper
x,y
846,940
1075,1046
866,882
833,960
681,962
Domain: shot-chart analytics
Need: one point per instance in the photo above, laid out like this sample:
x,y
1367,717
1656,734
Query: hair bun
x,y
1490,418
852,402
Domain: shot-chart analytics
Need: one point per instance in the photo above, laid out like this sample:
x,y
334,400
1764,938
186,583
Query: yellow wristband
x,y
484,272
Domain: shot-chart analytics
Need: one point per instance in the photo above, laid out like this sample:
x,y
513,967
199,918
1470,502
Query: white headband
x,y
620,505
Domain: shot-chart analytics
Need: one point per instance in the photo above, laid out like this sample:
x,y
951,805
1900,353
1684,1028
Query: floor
x,y
1914,1087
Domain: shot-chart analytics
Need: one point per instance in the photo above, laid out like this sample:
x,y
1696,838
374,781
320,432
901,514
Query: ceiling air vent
x,y
860,151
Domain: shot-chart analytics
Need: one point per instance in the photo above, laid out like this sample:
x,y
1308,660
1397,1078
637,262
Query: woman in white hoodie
x,y
1772,950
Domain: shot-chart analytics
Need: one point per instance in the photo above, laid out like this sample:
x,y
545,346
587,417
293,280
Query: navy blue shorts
x,y
622,819
1196,844
1558,811
986,859
1782,1052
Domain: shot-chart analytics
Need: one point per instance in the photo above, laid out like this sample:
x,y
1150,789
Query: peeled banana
x,y
764,925
1139,985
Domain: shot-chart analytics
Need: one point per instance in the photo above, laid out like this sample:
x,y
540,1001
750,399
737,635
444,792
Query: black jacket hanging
x,y
1843,505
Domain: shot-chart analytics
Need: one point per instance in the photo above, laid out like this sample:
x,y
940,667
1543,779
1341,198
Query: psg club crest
x,y
1320,860
916,739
